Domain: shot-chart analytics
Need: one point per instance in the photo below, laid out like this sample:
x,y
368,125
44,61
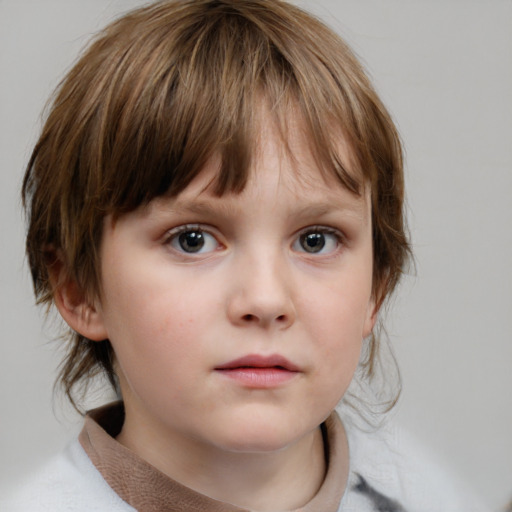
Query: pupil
x,y
313,242
191,241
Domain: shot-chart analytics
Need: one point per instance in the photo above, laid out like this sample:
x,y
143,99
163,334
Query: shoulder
x,y
68,482
391,464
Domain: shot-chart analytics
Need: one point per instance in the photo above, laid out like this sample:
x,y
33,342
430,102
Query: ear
x,y
371,318
78,312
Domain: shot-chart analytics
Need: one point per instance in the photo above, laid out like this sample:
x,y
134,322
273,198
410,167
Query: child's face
x,y
199,289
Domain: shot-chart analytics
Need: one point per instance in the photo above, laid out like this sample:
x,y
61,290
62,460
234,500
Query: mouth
x,y
256,371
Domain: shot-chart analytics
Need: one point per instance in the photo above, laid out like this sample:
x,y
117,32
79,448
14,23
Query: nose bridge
x,y
269,272
263,292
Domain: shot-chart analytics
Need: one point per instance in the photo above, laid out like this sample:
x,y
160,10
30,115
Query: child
x,y
215,208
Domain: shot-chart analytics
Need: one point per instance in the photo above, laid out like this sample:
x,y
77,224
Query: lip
x,y
258,371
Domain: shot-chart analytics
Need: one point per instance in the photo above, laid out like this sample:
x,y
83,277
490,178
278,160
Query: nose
x,y
262,294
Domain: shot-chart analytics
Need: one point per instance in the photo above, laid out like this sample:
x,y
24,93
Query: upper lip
x,y
260,361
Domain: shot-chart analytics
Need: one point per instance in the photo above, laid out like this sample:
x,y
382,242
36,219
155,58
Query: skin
x,y
255,287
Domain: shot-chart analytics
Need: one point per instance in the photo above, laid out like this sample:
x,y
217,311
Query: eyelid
x,y
323,229
173,232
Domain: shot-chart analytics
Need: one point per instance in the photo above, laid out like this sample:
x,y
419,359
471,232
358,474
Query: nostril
x,y
251,318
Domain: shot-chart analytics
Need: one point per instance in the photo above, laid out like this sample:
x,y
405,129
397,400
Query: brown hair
x,y
162,89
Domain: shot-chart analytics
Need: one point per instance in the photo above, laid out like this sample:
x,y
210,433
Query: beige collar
x,y
147,489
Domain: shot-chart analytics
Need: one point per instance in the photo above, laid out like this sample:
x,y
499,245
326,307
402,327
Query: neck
x,y
279,480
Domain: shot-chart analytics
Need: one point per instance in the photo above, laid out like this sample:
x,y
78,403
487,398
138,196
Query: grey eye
x,y
312,242
193,241
318,241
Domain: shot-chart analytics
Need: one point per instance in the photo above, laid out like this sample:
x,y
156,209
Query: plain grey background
x,y
444,69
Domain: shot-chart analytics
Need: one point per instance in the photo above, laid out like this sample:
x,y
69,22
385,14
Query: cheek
x,y
151,338
338,311
336,323
154,324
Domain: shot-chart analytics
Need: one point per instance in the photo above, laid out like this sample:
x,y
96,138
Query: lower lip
x,y
259,378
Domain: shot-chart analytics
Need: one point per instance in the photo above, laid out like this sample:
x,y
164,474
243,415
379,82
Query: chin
x,y
260,435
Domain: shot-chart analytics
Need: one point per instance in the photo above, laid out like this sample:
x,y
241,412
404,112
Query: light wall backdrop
x,y
444,69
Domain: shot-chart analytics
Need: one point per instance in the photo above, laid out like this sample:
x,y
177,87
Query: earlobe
x,y
79,313
371,318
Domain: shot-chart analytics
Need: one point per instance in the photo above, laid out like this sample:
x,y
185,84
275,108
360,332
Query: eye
x,y
318,241
192,240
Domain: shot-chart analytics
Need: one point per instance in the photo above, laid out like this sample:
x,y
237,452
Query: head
x,y
168,89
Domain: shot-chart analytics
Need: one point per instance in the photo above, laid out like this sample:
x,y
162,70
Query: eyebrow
x,y
202,207
329,207
218,207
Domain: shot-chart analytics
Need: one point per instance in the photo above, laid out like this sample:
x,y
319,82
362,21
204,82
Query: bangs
x,y
183,92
